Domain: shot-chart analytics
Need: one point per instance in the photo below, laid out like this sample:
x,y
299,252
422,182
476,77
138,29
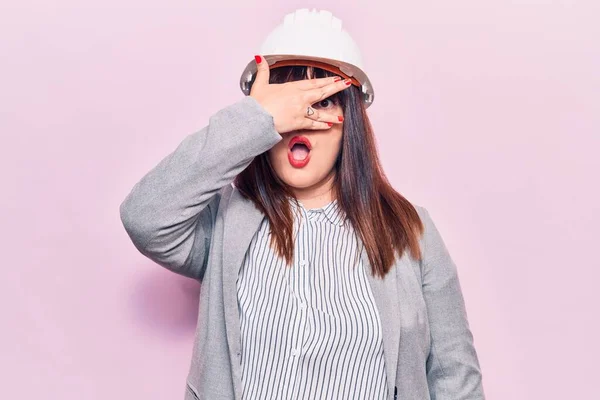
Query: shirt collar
x,y
333,211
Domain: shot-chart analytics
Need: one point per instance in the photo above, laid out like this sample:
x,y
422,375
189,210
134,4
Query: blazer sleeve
x,y
169,214
453,370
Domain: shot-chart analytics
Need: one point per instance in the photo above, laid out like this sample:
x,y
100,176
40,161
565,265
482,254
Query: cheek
x,y
334,142
333,147
278,155
273,151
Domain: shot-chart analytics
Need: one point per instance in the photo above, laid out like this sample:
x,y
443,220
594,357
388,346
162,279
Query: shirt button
x,y
302,263
302,305
294,352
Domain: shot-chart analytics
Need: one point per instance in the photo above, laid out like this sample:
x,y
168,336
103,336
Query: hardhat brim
x,y
346,70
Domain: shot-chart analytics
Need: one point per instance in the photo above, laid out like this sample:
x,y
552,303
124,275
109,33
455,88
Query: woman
x,y
320,281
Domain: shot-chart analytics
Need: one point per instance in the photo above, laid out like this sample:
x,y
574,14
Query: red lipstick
x,y
294,162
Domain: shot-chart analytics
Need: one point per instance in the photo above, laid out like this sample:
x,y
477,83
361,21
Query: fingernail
x,y
348,82
337,79
330,123
258,59
340,118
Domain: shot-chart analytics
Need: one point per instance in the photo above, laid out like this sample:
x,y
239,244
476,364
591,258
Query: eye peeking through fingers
x,y
325,104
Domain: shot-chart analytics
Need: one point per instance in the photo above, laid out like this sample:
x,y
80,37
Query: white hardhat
x,y
316,38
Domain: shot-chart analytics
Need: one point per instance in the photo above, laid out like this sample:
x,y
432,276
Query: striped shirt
x,y
312,330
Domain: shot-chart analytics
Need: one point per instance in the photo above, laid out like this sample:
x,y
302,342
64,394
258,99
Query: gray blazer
x,y
186,216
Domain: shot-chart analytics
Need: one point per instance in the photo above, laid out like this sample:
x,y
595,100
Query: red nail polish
x,y
258,59
330,123
348,82
337,79
340,118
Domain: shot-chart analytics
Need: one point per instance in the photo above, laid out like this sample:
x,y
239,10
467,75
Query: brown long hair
x,y
386,222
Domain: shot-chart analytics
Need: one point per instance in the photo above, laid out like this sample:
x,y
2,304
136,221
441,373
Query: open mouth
x,y
299,151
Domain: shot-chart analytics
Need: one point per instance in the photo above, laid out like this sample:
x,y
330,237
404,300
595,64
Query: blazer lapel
x,y
240,224
385,292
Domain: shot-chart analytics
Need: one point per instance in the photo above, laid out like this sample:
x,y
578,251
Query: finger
x,y
312,124
321,116
315,83
312,113
318,94
262,73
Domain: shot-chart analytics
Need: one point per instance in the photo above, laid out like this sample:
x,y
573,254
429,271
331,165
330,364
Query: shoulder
x,y
431,241
425,218
421,210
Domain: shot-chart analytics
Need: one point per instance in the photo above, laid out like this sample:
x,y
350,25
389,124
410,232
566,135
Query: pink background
x,y
486,111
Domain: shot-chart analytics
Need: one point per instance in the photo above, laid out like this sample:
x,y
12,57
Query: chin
x,y
299,179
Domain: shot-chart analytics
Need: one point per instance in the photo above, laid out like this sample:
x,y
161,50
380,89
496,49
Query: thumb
x,y
262,73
